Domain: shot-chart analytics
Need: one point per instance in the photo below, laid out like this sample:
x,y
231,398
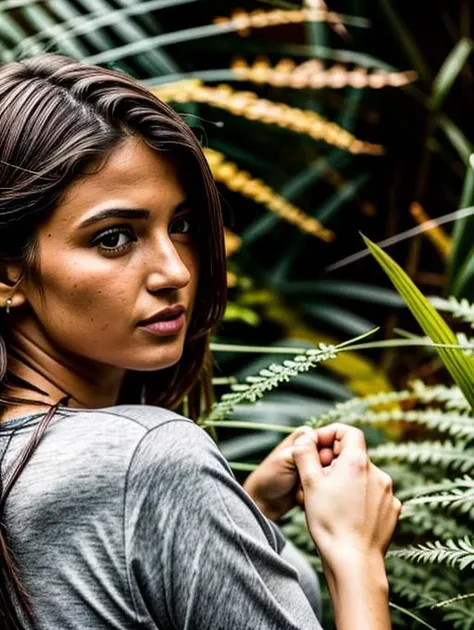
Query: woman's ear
x,y
10,286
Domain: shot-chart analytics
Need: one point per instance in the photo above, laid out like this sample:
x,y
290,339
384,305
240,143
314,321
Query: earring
x,y
8,305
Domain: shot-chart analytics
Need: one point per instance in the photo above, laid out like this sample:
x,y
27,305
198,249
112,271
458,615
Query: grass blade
x,y
455,136
461,253
452,66
460,366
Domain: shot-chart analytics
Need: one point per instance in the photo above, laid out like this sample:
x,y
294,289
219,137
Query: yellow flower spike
x,y
214,158
260,18
226,171
241,19
232,243
376,80
240,65
358,78
259,71
438,237
285,65
336,77
276,17
312,74
237,183
230,175
231,279
248,105
397,79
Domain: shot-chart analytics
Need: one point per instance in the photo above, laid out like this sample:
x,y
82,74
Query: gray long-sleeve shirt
x,y
130,517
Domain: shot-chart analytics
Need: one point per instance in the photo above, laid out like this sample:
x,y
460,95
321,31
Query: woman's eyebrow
x,y
124,213
115,213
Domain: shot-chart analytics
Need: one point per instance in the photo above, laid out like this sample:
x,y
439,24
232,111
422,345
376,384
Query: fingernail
x,y
303,440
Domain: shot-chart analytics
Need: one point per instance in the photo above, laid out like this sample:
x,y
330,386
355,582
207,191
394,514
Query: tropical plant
x,y
433,468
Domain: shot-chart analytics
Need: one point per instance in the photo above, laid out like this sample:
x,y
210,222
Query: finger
x,y
283,459
303,430
331,434
349,438
290,439
308,464
326,456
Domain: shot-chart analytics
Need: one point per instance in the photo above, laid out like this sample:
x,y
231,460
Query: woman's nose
x,y
169,270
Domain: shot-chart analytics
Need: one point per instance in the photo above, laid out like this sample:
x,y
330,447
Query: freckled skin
x,y
93,301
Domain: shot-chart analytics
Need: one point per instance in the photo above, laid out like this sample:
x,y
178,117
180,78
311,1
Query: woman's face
x,y
102,277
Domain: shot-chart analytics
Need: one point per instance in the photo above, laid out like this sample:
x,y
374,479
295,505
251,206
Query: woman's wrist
x,y
359,592
343,568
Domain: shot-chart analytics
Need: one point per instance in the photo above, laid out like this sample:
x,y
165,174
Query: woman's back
x,y
129,517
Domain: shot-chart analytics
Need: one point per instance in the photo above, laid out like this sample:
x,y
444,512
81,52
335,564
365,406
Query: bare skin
x,y
74,341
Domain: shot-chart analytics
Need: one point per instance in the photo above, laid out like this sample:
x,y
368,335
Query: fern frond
x,y
424,521
353,409
457,425
294,528
267,379
462,617
405,478
439,453
411,615
313,74
461,309
454,553
452,397
453,600
240,181
420,585
457,499
248,105
425,489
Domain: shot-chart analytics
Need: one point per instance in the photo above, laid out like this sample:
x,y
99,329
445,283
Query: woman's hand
x,y
274,484
351,515
349,505
350,511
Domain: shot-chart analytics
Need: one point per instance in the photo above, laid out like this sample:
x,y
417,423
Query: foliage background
x,y
280,288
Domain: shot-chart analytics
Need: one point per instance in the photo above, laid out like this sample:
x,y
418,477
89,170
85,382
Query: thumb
x,y
307,462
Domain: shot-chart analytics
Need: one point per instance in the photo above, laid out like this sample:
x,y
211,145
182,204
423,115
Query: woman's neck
x,y
35,360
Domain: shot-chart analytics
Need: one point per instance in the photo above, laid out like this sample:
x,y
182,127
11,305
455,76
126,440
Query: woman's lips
x,y
166,326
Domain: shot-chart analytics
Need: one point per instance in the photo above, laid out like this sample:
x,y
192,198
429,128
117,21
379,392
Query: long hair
x,y
57,116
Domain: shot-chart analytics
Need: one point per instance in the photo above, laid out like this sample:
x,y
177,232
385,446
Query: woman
x,y
116,511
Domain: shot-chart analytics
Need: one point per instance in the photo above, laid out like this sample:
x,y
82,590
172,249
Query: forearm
x,y
359,594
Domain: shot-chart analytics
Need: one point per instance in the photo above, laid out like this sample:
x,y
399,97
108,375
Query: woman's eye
x,y
114,240
181,225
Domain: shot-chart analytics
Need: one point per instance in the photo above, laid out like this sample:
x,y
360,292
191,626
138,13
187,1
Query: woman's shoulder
x,y
148,417
132,432
127,422
98,449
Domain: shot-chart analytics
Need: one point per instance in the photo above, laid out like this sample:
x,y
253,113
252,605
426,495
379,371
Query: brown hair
x,y
57,116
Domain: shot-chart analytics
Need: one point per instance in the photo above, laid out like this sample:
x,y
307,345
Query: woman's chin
x,y
160,359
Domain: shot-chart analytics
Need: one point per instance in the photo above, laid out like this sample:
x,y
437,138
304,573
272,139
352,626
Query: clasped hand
x,y
274,485
348,501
